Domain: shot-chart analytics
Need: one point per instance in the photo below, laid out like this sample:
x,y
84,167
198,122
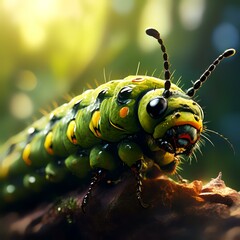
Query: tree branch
x,y
176,211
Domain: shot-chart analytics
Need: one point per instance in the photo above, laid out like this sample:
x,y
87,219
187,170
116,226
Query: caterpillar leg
x,y
95,180
181,179
101,157
131,154
136,170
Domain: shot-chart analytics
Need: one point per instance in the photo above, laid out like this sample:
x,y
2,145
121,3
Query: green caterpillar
x,y
135,123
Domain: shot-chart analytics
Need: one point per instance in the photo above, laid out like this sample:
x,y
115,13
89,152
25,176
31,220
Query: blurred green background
x,y
53,49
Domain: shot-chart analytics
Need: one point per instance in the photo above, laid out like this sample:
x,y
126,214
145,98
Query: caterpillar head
x,y
172,118
173,124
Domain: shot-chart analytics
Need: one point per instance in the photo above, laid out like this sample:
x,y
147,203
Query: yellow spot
x,y
94,123
7,162
123,112
71,132
48,143
26,154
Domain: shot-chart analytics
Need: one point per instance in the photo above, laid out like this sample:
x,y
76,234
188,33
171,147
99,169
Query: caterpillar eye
x,y
157,106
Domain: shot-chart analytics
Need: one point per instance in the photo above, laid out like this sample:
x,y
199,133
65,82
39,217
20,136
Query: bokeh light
x,y
26,80
120,8
21,106
229,35
191,13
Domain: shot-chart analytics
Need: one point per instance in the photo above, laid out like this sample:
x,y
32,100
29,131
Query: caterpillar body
x,y
136,122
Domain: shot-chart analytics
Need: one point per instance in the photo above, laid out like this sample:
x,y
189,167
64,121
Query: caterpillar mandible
x,y
134,123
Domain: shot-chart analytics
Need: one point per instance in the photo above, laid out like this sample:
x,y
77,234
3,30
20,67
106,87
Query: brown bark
x,y
176,211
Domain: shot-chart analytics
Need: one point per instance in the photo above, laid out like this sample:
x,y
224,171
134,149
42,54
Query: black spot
x,y
100,97
10,149
124,94
53,120
196,118
177,115
31,133
75,108
185,107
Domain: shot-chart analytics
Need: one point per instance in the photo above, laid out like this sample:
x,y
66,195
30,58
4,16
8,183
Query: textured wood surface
x,y
176,211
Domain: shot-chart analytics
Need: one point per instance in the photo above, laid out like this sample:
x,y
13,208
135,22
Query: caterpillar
x,y
134,123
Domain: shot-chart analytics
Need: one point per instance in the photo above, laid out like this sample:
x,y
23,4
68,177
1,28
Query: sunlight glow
x,y
191,13
156,14
31,17
123,8
58,31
